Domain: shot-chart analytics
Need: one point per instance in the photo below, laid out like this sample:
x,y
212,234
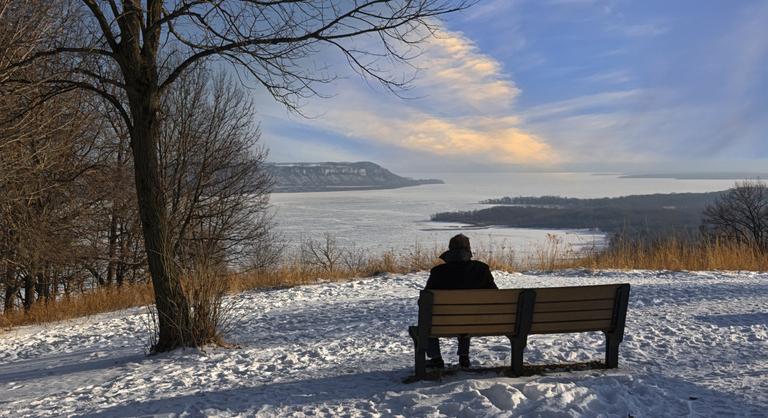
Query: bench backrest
x,y
445,313
580,308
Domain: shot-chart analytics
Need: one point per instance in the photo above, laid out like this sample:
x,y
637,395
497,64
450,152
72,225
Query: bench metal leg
x,y
612,342
615,336
420,366
518,347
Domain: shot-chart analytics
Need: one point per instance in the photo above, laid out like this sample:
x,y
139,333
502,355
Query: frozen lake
x,y
398,219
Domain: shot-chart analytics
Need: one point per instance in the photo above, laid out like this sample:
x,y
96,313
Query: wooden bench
x,y
518,313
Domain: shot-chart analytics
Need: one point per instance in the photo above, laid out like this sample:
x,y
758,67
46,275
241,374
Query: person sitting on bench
x,y
458,272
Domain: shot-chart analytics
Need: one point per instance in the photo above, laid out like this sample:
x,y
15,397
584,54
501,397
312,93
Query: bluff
x,y
335,176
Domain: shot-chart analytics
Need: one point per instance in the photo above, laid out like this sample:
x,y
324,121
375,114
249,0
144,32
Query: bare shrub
x,y
419,257
355,259
499,256
206,282
387,262
550,254
325,253
206,285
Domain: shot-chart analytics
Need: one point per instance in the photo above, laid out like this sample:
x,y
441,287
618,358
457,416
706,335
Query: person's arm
x,y
489,279
430,281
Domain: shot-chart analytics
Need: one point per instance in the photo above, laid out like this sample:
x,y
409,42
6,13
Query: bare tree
x,y
212,167
152,43
741,214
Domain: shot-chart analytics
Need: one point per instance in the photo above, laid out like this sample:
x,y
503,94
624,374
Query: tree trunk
x,y
173,314
11,287
113,221
122,260
29,291
55,288
112,249
45,279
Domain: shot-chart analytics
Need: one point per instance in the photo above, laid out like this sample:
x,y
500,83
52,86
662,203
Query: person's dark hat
x,y
459,242
458,250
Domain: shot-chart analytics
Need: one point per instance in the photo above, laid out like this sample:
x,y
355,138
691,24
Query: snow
x,y
695,345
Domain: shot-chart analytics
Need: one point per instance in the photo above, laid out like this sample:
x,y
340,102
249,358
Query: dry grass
x,y
96,301
417,258
667,254
297,274
675,254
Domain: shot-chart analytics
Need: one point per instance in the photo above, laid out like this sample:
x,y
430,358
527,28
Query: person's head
x,y
459,242
458,250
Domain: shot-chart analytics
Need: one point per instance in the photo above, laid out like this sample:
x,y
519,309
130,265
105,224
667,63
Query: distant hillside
x,y
335,176
646,213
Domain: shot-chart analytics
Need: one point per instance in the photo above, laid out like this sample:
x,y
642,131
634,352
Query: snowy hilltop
x,y
334,176
695,344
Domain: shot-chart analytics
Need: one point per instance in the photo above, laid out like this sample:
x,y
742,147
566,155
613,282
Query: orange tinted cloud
x,y
464,108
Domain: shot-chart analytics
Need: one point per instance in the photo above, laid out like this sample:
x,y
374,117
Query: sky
x,y
583,85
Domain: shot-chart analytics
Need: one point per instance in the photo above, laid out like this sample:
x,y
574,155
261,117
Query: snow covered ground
x,y
696,345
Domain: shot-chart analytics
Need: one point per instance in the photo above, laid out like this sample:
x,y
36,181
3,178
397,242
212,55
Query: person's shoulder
x,y
438,268
480,264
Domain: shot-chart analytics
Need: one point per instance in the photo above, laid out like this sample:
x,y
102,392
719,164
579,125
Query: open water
x,y
398,219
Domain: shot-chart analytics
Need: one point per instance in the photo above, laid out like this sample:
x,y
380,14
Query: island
x,y
654,213
337,176
699,176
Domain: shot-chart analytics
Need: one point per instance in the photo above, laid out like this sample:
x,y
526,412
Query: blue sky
x,y
598,85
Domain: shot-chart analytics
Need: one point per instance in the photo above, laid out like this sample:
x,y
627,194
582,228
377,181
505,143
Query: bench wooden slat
x,y
603,314
576,326
472,319
499,329
562,294
581,305
475,296
500,308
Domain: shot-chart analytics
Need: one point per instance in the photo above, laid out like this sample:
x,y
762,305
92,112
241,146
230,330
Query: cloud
x,y
489,8
471,138
573,2
610,100
640,30
462,109
610,77
507,144
456,72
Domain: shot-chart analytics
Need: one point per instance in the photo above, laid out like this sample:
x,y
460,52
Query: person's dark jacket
x,y
460,272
